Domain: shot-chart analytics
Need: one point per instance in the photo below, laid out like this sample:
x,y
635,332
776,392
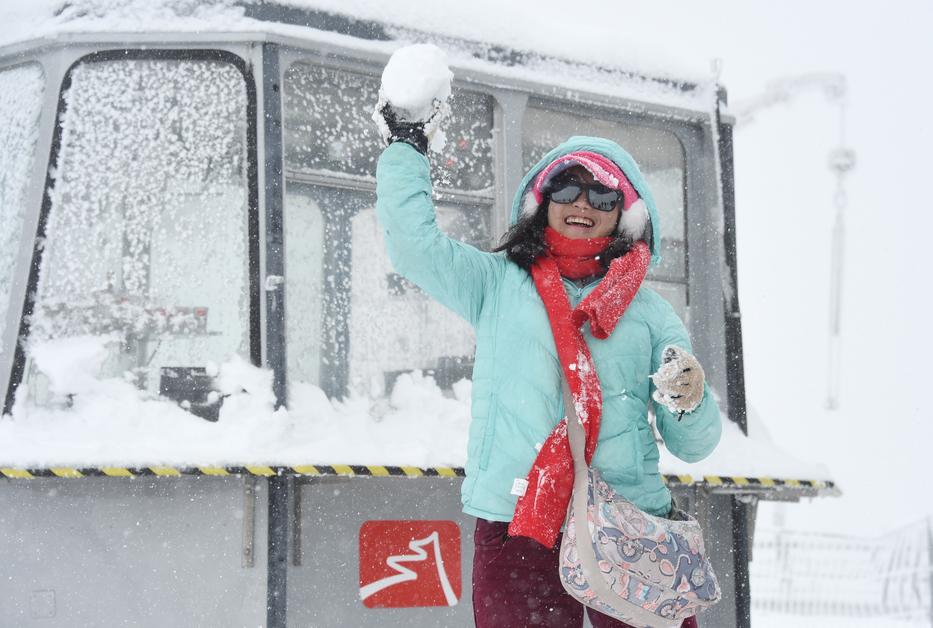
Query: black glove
x,y
403,130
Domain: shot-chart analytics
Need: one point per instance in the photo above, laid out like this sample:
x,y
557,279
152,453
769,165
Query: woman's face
x,y
578,219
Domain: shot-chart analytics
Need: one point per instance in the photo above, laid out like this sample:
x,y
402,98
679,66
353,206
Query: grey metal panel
x,y
129,552
510,112
323,592
721,548
714,513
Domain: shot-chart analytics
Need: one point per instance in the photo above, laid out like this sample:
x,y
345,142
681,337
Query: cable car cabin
x,y
222,406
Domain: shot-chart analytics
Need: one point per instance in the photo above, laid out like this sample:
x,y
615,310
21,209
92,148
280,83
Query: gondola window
x,y
353,325
145,271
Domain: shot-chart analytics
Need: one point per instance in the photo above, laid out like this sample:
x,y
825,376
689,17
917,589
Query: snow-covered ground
x,y
765,620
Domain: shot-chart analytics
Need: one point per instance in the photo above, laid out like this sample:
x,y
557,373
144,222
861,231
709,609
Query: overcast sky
x,y
878,443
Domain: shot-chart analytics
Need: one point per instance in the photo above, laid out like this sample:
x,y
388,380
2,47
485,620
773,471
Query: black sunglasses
x,y
599,196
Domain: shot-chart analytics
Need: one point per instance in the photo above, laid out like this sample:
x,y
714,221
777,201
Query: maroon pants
x,y
515,584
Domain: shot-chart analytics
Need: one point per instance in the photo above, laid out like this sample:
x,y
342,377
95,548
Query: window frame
x,y
335,382
9,339
17,371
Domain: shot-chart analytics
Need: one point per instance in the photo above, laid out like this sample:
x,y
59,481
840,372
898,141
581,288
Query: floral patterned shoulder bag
x,y
647,571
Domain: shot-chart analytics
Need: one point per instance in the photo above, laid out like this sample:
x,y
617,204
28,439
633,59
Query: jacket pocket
x,y
620,458
489,434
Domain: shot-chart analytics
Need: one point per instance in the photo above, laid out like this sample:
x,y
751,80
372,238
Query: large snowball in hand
x,y
414,78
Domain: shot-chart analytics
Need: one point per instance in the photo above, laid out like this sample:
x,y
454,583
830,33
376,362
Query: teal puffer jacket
x,y
517,397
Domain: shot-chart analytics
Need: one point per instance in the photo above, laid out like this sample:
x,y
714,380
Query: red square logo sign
x,y
409,563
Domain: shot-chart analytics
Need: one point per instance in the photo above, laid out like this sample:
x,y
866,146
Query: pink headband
x,y
602,169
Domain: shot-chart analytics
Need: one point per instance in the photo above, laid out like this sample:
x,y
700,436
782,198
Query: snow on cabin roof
x,y
585,32
571,54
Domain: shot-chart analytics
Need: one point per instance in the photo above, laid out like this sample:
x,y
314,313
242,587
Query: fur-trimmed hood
x,y
633,218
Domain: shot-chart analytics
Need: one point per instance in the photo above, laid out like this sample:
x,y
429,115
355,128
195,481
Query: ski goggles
x,y
598,195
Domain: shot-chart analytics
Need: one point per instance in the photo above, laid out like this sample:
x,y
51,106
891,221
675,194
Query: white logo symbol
x,y
404,574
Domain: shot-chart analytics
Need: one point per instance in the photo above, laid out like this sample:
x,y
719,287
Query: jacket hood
x,y
611,151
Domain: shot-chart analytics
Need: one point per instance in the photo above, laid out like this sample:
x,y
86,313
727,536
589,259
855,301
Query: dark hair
x,y
524,242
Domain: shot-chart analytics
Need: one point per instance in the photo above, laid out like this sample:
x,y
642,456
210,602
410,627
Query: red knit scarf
x,y
540,512
576,258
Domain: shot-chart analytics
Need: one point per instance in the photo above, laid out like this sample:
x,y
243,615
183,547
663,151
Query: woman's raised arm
x,y
456,274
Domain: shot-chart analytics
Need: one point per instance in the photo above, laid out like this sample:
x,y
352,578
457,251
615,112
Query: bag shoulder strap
x,y
577,437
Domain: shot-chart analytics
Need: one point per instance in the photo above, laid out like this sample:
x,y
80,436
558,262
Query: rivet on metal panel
x,y
42,604
249,520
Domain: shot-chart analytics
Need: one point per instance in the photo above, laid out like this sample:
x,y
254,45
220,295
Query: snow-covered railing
x,y
802,573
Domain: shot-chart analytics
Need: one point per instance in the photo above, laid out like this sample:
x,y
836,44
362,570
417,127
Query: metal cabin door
x,y
362,553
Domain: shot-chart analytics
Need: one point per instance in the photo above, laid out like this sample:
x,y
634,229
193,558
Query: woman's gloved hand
x,y
679,381
394,129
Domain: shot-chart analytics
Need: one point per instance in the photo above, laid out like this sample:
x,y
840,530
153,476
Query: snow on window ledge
x,y
111,422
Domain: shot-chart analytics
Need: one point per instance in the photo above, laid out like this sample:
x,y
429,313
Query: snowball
x,y
416,82
414,78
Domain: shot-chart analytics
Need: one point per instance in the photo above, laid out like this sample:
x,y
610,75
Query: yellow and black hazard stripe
x,y
748,483
255,470
343,470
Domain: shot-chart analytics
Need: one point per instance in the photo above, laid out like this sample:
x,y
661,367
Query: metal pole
x,y
841,162
276,599
740,556
274,358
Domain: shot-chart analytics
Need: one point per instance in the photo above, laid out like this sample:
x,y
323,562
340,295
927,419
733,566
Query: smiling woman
x,y
562,319
580,207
